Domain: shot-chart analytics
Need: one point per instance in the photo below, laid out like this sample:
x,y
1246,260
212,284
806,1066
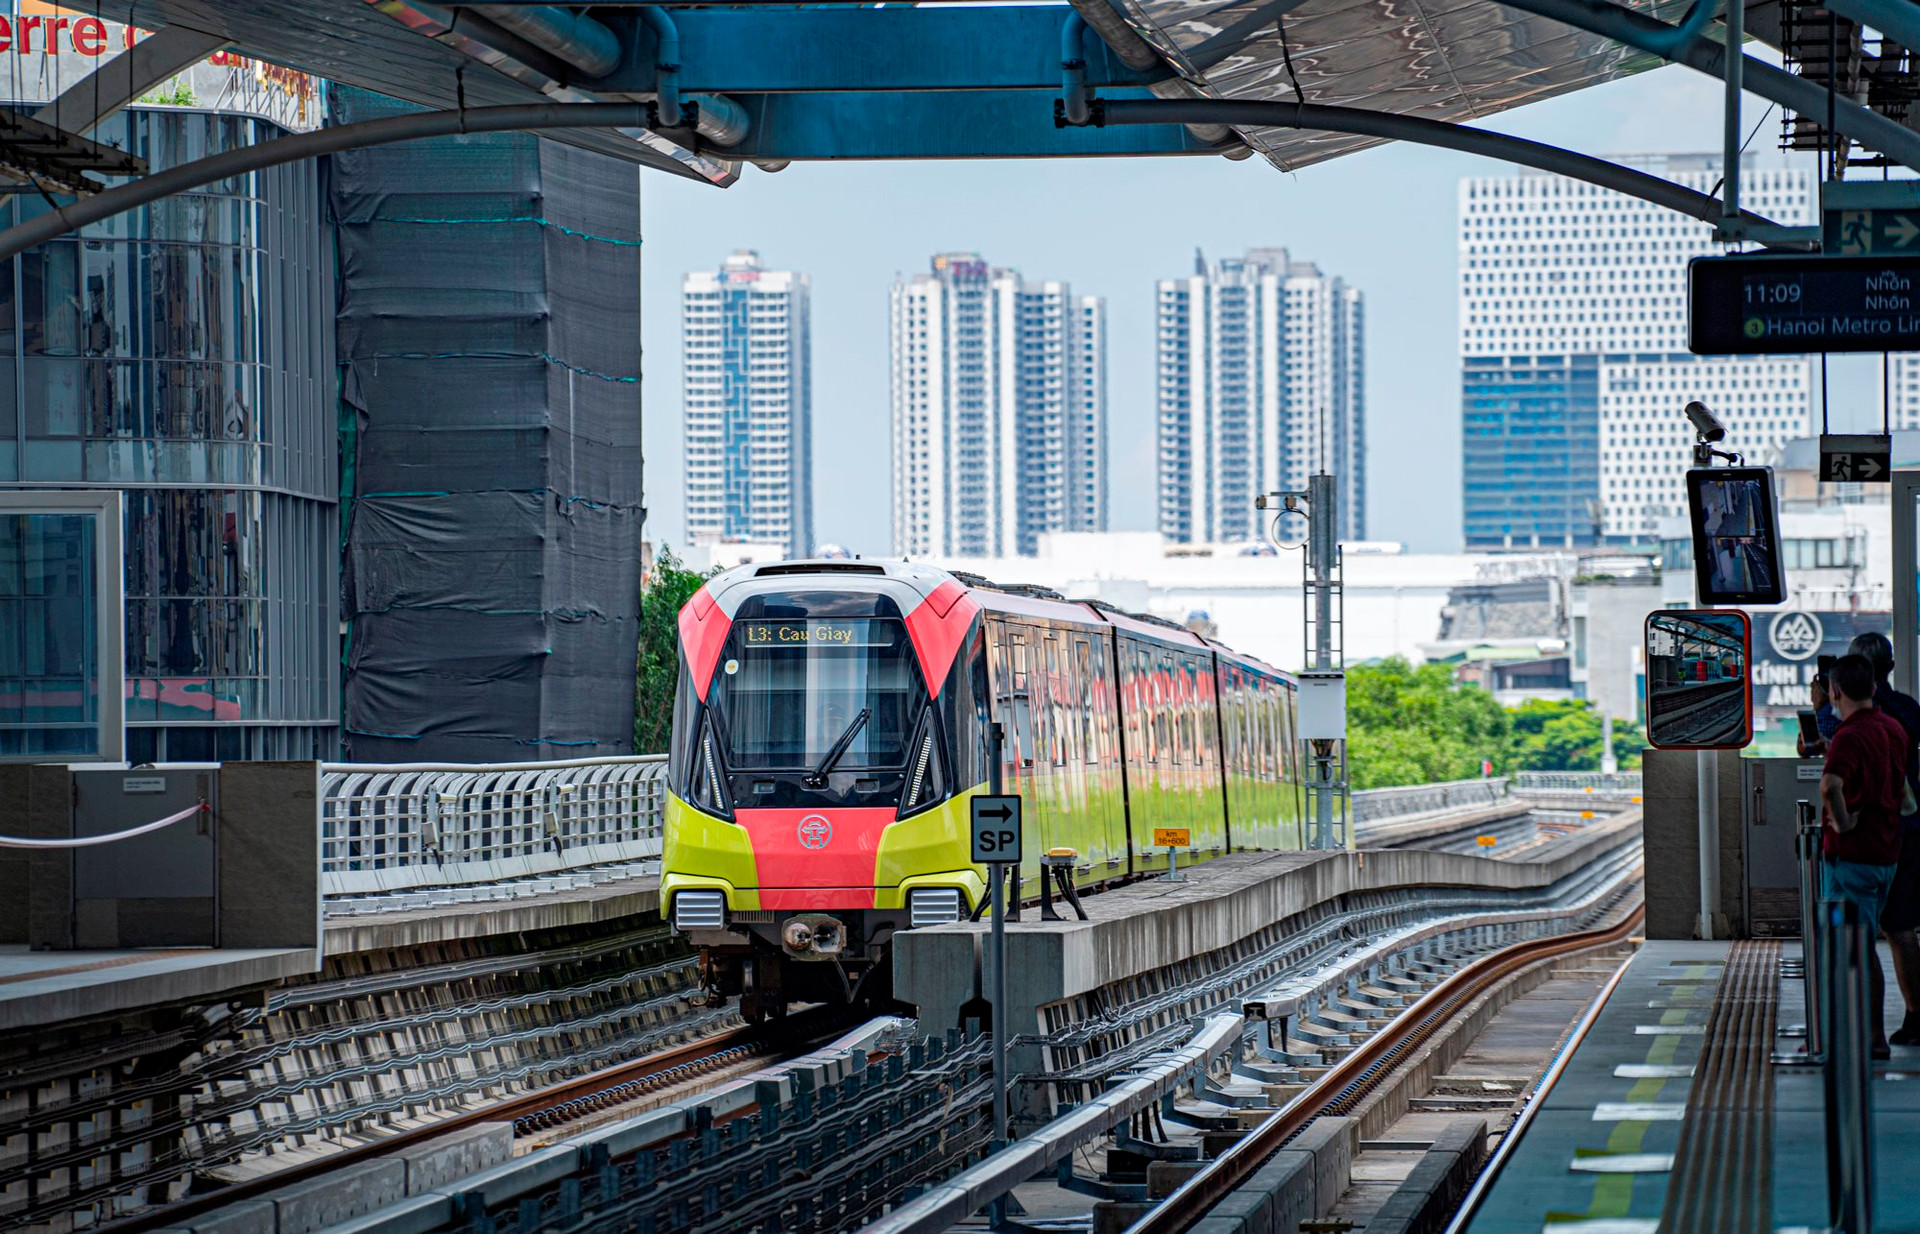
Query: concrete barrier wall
x,y
1157,923
1673,844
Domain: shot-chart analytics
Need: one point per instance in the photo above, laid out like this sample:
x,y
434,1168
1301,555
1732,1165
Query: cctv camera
x,y
1706,423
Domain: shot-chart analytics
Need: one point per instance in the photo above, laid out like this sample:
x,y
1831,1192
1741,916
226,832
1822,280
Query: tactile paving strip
x,y
1723,1168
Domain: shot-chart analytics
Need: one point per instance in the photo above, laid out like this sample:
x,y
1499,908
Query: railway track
x,y
549,1108
1349,1081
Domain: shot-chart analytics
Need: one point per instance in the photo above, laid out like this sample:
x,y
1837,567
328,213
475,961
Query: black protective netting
x,y
489,343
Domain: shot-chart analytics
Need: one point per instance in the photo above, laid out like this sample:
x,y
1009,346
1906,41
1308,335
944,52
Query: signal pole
x,y
1323,686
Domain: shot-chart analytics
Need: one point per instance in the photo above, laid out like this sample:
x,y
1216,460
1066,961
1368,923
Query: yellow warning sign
x,y
1172,837
1485,841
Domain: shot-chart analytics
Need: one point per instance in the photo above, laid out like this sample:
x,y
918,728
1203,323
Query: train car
x,y
833,717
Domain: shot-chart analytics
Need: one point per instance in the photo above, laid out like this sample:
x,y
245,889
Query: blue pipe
x,y
1073,68
1682,35
666,60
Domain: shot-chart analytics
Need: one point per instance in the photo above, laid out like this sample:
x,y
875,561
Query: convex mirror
x,y
1699,692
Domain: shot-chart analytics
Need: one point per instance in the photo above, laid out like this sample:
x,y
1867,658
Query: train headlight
x,y
934,905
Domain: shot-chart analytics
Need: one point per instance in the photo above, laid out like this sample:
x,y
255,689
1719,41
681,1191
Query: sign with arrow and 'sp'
x,y
996,828
1856,458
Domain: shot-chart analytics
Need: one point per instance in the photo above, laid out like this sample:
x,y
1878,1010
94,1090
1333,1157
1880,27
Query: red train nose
x,y
816,858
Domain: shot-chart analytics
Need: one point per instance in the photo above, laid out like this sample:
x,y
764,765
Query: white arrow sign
x,y
1866,464
1902,231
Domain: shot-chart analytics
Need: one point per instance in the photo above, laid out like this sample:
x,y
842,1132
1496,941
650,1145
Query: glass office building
x,y
1530,450
182,353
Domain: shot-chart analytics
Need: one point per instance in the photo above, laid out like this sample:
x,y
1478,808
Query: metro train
x,y
832,718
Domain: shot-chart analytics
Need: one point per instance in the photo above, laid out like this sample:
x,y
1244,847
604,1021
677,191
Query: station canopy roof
x,y
1453,60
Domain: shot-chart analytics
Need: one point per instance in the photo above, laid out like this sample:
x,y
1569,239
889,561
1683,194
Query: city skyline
x,y
1384,218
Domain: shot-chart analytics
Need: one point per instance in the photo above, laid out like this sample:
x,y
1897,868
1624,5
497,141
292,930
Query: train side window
x,y
1171,712
1249,704
1151,709
1285,756
1020,723
1262,734
1086,694
1056,731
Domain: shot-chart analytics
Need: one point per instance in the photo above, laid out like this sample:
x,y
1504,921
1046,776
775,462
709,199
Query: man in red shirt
x,y
1861,788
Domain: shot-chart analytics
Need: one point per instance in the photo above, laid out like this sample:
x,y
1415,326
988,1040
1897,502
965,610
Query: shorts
x,y
1903,900
1864,885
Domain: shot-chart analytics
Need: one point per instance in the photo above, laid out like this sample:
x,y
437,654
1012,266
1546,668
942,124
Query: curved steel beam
x,y
1793,92
1899,20
262,155
1389,127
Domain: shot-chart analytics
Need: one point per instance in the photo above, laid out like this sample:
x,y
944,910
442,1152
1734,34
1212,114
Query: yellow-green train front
x,y
833,717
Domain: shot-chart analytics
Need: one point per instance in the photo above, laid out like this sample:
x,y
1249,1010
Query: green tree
x,y
1560,734
1415,725
666,593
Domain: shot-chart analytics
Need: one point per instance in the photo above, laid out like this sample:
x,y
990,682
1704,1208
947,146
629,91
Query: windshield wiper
x,y
818,776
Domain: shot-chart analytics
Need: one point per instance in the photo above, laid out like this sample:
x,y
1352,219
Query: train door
x,y
1049,808
1012,705
1013,660
1098,787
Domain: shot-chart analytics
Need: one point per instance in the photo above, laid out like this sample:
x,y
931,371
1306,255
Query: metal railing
x,y
399,827
1598,783
416,825
1373,804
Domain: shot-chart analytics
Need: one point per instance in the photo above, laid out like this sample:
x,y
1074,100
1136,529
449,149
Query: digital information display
x,y
816,632
1802,303
1736,535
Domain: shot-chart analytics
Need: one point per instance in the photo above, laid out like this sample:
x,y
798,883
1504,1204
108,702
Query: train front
x,y
827,729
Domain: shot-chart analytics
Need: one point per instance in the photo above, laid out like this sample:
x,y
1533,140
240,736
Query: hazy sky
x,y
1384,220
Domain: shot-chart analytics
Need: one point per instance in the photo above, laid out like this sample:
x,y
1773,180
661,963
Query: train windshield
x,y
790,691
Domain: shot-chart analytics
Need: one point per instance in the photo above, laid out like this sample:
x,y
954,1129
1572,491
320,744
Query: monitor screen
x,y
1736,536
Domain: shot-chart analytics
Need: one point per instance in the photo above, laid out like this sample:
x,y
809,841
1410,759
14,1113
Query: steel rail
x,y
1353,1075
533,1109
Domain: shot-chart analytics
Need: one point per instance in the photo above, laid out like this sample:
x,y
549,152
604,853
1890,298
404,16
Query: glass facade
x,y
1530,450
183,353
50,672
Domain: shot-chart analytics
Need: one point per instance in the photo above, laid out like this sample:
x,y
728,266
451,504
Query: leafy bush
x,y
668,589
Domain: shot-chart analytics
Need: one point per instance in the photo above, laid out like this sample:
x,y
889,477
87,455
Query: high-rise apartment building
x,y
748,400
1262,364
999,411
1574,361
1902,393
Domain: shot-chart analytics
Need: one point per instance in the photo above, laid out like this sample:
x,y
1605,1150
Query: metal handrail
x,y
392,827
401,826
1374,804
1599,783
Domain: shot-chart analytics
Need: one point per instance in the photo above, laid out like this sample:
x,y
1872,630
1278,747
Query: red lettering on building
x,y
89,36
24,27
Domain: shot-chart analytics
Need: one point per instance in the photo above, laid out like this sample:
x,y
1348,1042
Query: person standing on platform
x,y
1902,915
1861,789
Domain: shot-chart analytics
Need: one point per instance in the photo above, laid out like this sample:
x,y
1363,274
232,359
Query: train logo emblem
x,y
815,832
1796,636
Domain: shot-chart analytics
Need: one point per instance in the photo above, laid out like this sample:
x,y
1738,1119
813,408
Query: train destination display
x,y
1802,303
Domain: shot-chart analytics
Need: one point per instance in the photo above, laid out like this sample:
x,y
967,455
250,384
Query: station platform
x,y
1670,1116
38,988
